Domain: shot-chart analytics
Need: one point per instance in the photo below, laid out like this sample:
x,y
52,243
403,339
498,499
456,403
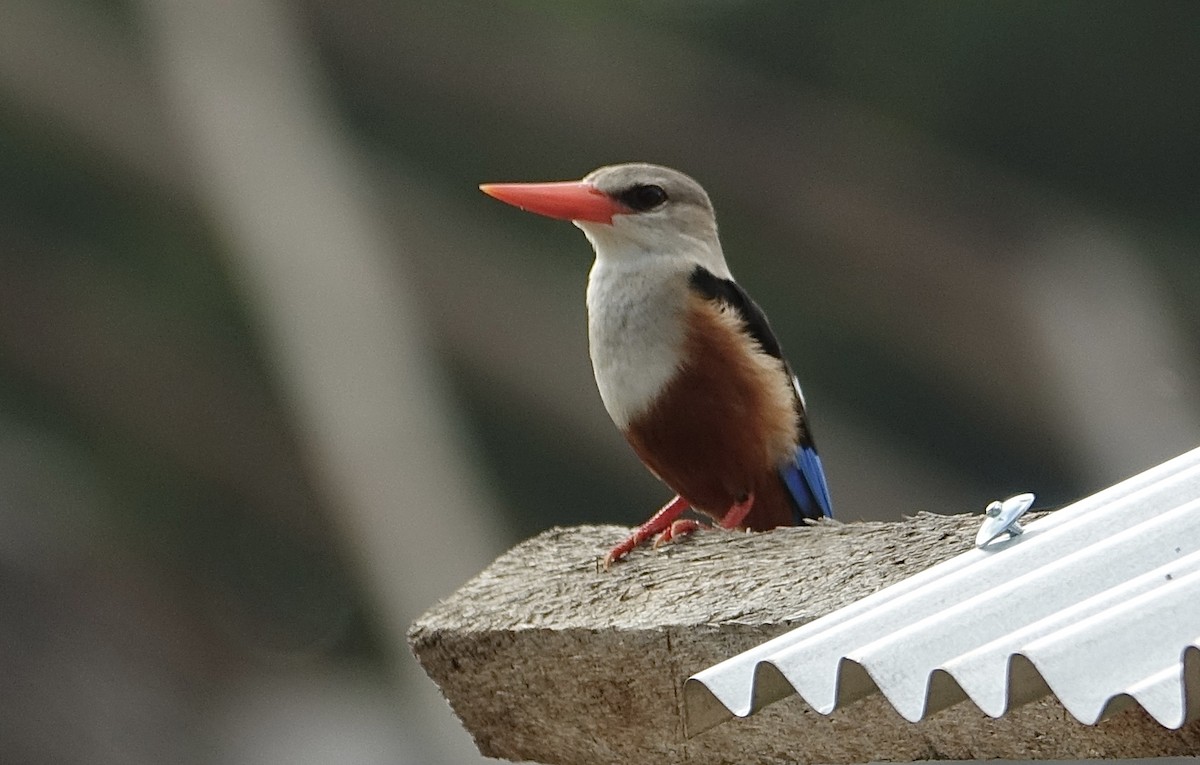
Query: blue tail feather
x,y
805,479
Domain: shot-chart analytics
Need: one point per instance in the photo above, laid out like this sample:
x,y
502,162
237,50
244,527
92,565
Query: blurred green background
x,y
274,376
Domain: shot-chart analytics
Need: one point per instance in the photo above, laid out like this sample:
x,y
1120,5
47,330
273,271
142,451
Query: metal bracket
x,y
1002,518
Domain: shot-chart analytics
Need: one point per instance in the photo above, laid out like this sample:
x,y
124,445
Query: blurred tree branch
x,y
339,323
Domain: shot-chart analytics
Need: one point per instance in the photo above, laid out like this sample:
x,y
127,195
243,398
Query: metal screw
x,y
1001,519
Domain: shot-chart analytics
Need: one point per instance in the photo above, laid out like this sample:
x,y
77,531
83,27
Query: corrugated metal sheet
x,y
1097,603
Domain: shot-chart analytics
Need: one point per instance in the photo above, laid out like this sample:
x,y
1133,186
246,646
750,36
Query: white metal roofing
x,y
1097,603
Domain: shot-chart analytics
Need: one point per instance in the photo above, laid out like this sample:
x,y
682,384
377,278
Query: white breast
x,y
635,330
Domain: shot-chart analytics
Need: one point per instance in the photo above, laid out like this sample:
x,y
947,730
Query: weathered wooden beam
x,y
546,657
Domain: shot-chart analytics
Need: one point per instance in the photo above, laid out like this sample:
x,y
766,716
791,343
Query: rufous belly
x,y
721,427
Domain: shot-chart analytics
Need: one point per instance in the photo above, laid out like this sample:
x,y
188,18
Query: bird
x,y
686,363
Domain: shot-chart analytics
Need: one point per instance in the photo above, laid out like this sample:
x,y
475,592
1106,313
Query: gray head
x,y
664,214
633,214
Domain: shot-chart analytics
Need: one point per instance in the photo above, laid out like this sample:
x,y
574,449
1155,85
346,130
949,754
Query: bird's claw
x,y
613,556
677,529
666,527
660,522
671,533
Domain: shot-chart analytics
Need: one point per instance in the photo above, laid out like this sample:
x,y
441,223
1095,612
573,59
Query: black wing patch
x,y
803,476
728,292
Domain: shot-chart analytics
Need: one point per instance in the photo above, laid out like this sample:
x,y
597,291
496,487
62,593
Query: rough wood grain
x,y
547,658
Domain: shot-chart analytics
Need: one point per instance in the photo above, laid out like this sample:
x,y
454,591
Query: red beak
x,y
566,200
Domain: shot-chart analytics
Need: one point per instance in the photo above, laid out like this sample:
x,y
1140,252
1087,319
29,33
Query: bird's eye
x,y
644,197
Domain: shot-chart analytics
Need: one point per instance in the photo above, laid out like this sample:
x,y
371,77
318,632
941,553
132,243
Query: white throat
x,y
636,302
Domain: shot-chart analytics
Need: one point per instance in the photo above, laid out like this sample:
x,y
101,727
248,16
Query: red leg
x,y
737,513
659,522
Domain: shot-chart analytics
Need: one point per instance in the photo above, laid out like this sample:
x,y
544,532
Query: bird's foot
x,y
738,512
658,524
678,529
685,526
